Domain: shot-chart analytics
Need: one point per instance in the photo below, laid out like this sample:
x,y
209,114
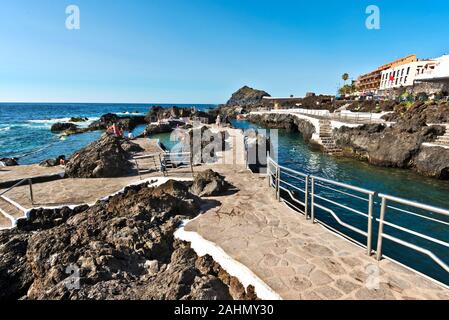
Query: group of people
x,y
118,131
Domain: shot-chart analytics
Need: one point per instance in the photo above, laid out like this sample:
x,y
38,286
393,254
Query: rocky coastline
x,y
399,145
122,248
284,121
157,120
126,122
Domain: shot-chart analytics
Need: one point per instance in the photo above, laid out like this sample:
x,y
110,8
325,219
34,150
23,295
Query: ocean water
x,y
295,154
25,128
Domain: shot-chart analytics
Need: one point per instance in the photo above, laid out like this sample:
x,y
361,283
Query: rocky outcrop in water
x,y
121,248
60,127
274,121
247,96
399,146
79,119
284,121
52,162
129,123
208,183
9,162
160,113
126,122
156,128
242,101
433,162
105,121
103,158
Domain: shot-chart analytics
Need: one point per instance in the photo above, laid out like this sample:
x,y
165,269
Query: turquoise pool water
x,y
295,154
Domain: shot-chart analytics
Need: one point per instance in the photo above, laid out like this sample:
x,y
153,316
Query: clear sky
x,y
200,51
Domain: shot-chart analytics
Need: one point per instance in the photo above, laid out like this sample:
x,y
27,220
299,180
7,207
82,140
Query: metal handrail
x,y
275,172
18,184
309,192
369,232
383,235
344,185
415,204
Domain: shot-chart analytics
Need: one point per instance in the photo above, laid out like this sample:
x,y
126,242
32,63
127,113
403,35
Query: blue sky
x,y
198,51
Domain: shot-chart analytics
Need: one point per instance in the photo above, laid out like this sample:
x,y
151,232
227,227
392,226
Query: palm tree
x,y
345,77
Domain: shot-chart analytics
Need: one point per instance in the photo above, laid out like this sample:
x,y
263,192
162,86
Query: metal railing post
x,y
30,183
138,169
312,203
278,183
370,224
306,199
268,170
381,228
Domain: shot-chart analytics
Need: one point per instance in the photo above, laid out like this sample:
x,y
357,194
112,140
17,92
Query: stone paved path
x,y
27,171
297,259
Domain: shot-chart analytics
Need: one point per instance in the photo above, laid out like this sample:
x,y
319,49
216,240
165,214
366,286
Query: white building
x,y
439,74
406,74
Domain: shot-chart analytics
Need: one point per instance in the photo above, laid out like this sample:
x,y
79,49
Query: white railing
x,y
343,116
309,201
383,222
347,191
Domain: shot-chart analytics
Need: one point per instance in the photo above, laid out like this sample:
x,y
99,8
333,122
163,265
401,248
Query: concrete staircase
x,y
8,212
444,139
329,145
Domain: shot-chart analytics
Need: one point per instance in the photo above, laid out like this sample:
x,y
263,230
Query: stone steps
x,y
444,139
329,145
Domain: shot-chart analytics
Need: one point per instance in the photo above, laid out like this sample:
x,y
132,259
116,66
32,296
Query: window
x,y
408,70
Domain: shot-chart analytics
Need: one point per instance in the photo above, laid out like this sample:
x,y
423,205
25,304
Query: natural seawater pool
x,y
295,154
25,132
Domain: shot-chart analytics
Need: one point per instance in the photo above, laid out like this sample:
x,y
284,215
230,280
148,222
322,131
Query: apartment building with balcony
x,y
370,83
405,75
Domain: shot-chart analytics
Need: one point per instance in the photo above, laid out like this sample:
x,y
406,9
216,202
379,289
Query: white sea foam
x,y
55,120
5,129
49,122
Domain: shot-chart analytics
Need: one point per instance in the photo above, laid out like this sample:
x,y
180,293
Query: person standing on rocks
x,y
115,130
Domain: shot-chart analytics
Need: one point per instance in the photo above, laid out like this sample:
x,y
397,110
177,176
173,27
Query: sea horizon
x,y
26,134
117,103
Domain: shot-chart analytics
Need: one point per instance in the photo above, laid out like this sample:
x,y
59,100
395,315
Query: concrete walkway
x,y
298,259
